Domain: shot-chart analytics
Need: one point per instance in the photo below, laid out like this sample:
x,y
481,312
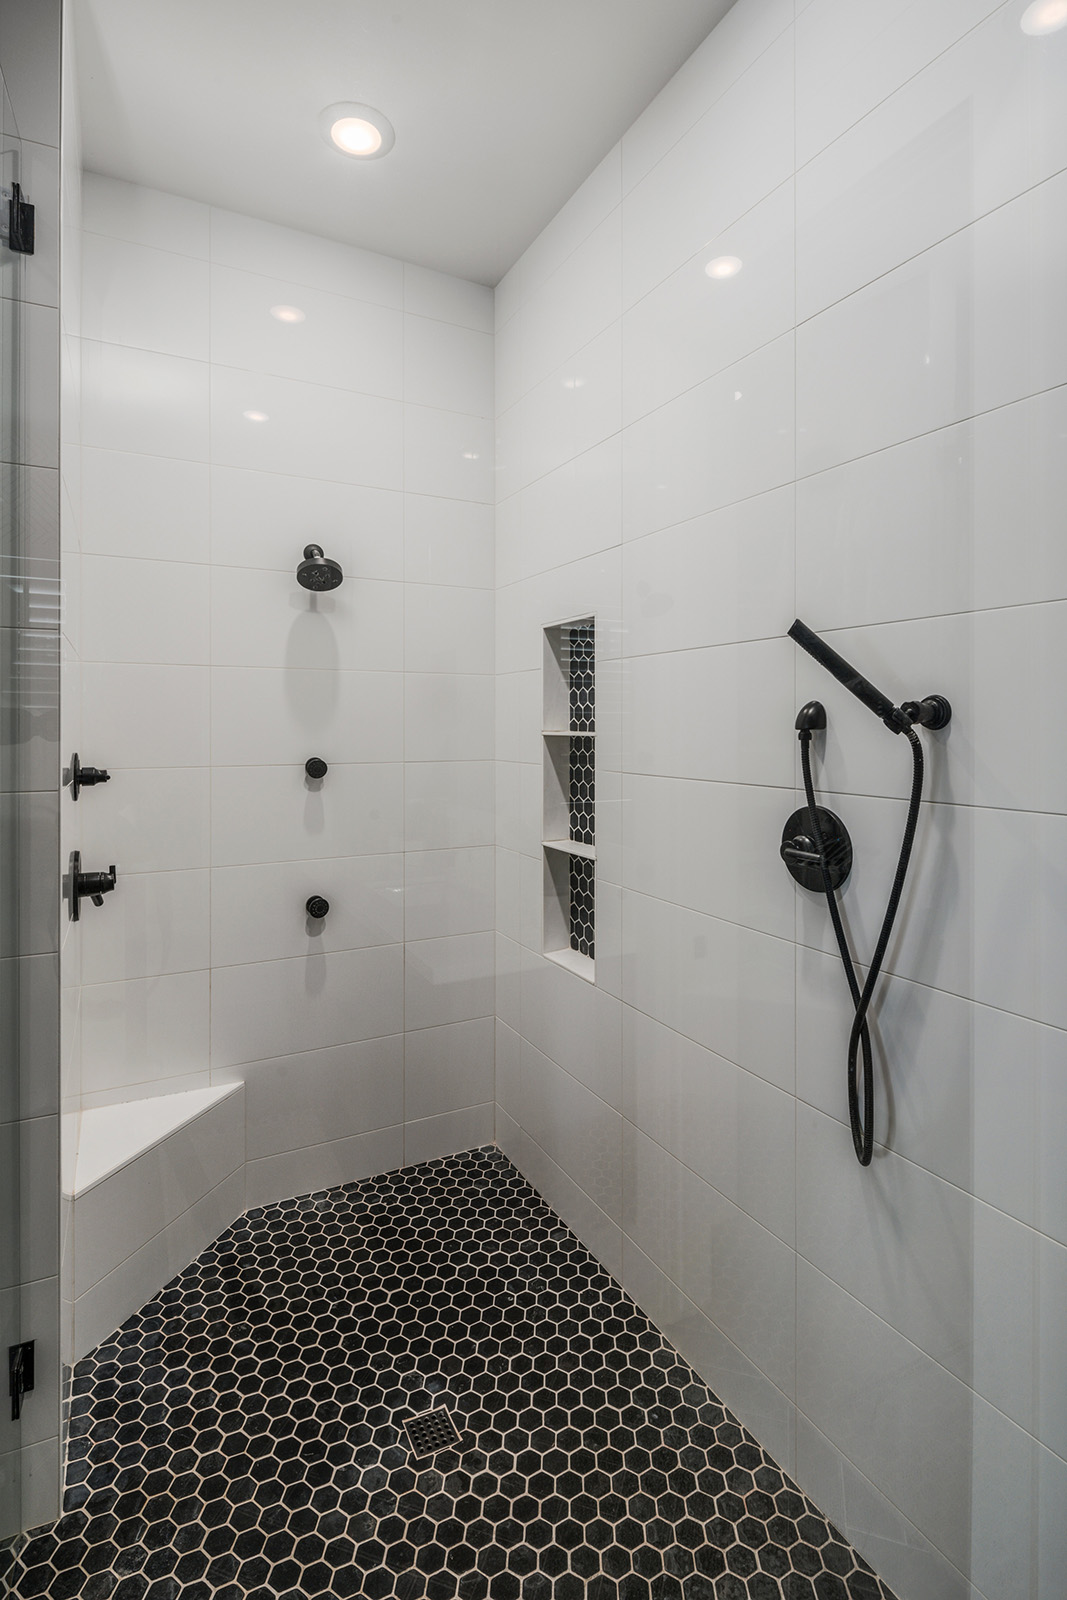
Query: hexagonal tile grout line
x,y
239,1438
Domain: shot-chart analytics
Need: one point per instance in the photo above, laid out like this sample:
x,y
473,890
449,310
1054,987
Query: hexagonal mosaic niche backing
x,y
240,1438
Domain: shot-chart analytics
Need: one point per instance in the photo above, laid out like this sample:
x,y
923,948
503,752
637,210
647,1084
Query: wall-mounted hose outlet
x,y
316,907
316,768
91,885
85,777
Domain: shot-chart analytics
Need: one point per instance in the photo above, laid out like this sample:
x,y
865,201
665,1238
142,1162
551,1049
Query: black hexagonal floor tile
x,y
241,1437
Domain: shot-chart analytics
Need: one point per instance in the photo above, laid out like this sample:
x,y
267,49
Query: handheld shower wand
x,y
826,855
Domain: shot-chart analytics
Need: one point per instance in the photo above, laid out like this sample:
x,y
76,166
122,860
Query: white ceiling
x,y
501,108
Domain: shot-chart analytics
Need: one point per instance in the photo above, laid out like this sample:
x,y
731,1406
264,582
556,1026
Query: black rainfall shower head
x,y
317,572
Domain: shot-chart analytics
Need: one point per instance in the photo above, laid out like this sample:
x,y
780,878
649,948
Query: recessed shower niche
x,y
568,829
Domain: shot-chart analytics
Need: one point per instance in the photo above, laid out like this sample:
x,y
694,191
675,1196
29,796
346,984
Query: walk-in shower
x,y
429,1113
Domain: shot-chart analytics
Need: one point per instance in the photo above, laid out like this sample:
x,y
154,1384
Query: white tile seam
x,y
919,1351
935,244
160,1231
996,5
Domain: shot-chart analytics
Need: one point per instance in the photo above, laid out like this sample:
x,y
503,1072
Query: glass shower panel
x,y
10,550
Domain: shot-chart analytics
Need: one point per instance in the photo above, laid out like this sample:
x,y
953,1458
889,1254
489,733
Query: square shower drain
x,y
432,1431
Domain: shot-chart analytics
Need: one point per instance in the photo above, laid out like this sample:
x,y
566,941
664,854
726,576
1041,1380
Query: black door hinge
x,y
20,226
20,1375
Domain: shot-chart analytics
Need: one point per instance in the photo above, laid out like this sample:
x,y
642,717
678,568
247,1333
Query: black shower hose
x,y
861,1117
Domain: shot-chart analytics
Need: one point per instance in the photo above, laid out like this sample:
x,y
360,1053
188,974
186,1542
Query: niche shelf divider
x,y
568,826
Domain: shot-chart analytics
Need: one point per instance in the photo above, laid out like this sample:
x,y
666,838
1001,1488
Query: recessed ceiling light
x,y
724,267
287,313
255,416
356,130
1044,16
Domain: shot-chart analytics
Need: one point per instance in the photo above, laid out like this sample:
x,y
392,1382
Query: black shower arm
x,y
896,719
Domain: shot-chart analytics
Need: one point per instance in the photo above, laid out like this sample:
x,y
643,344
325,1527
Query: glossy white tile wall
x,y
209,676
864,426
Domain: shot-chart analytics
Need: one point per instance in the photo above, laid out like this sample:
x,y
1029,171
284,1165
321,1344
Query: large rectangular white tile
x,y
896,1549
692,193
914,1430
264,1010
430,1138
151,299
448,1068
724,576
273,814
323,1166
449,299
576,303
447,453
571,512
447,629
265,619
704,845
141,1276
669,728
963,1289
737,40
320,338
448,542
144,216
145,506
136,1202
156,922
735,1271
264,519
960,1090
448,979
972,130
943,500
448,716
144,611
252,245
725,986
294,1102
448,366
145,716
448,804
272,424
448,891
144,1029
734,1130
727,439
259,914
139,400
275,714
587,207
733,296
573,1023
576,407
851,58
577,1130
968,325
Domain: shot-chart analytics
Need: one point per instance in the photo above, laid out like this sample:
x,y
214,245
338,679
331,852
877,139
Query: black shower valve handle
x,y
88,885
